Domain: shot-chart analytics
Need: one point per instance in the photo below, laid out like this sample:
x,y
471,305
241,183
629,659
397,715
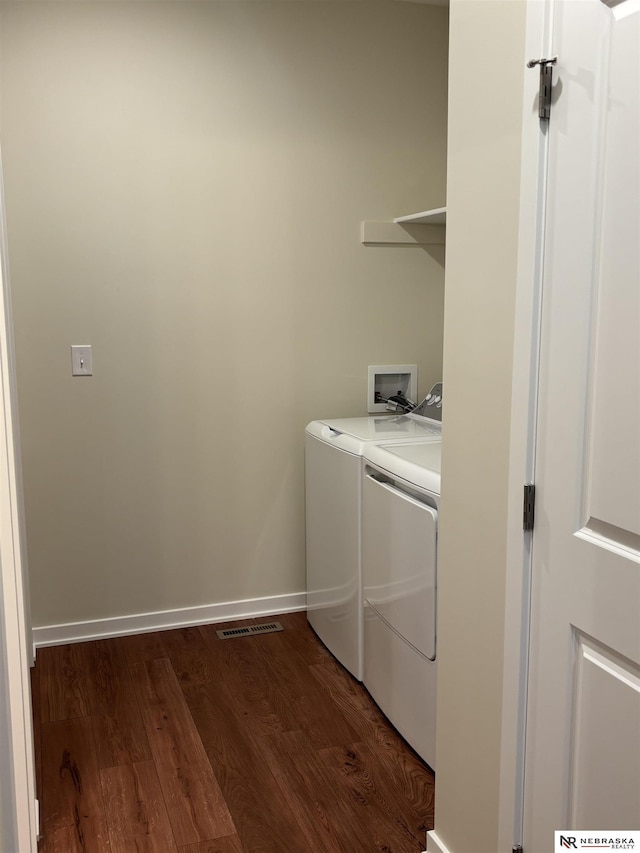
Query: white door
x,y
583,730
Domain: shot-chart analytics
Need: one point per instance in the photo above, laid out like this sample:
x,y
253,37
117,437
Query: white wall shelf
x,y
417,229
437,216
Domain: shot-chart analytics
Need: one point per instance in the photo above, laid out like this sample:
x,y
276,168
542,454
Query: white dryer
x,y
400,497
333,491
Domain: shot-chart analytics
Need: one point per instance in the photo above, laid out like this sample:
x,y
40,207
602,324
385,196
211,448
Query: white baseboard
x,y
142,623
434,844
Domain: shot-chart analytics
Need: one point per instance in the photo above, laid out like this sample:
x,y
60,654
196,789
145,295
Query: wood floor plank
x,y
64,682
142,647
355,703
299,635
282,682
263,817
320,805
71,791
197,809
414,783
414,780
375,803
189,657
137,817
230,844
255,696
64,839
119,732
315,710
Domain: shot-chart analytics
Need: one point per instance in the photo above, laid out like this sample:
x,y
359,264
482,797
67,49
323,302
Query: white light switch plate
x,y
81,360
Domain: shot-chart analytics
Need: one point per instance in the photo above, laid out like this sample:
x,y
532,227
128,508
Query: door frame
x,y
525,380
18,818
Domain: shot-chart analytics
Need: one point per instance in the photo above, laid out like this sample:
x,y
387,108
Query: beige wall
x,y
185,184
485,114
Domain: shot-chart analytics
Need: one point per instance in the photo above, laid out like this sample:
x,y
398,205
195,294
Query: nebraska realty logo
x,y
567,839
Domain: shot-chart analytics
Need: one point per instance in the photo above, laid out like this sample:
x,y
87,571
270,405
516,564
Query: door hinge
x,y
529,506
546,84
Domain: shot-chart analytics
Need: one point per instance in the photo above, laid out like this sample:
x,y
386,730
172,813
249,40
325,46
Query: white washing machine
x,y
400,496
333,490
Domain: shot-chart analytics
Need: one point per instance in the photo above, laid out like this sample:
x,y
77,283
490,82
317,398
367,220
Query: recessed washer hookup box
x,y
385,380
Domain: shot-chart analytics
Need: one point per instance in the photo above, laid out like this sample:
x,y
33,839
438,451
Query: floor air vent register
x,y
250,630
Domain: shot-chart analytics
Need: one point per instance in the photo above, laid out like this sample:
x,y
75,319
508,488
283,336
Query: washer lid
x,y
418,464
386,428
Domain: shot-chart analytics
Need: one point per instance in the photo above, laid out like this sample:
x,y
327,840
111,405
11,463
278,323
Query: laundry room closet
x,y
185,190
200,202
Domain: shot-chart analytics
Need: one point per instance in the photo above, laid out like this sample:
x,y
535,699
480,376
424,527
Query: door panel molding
x,y
597,762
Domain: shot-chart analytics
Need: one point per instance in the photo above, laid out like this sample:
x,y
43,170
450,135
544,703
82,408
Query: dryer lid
x,y
386,428
417,464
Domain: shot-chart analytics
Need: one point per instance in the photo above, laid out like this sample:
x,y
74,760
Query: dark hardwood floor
x,y
180,741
